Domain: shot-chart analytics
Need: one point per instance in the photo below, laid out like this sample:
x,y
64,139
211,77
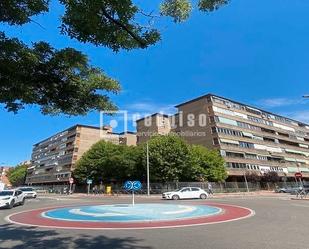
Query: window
x,y
215,141
230,132
195,189
264,158
251,156
185,190
268,139
259,120
212,119
246,145
248,126
213,130
234,154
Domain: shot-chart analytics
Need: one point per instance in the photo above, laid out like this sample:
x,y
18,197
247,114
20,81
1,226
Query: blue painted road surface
x,y
128,213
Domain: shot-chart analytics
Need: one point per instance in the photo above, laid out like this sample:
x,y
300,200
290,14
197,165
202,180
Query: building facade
x,y
249,139
53,159
3,175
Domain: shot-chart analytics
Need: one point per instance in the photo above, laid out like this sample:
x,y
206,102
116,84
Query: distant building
x,y
53,159
156,124
249,138
3,175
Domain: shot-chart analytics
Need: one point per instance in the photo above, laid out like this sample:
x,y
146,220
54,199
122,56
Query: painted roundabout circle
x,y
123,216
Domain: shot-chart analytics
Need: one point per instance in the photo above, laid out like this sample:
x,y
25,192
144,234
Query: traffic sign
x,y
298,175
132,185
137,185
71,180
128,185
89,181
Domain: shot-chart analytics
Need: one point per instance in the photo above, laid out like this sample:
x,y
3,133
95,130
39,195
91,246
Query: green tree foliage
x,y
179,10
253,177
62,81
168,157
205,164
270,176
107,161
18,12
106,22
57,80
17,175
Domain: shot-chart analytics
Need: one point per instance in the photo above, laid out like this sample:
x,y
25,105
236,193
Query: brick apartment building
x,y
53,159
249,139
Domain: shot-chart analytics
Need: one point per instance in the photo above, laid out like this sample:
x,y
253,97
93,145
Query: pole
x,y
148,182
133,198
246,182
88,191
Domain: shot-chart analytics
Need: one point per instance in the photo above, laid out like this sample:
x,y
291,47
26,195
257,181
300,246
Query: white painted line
x,y
300,205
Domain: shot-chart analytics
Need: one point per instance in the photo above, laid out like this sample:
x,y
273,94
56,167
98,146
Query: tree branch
x,y
132,34
38,24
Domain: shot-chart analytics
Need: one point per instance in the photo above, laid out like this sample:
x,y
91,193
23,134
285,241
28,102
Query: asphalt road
x,y
278,223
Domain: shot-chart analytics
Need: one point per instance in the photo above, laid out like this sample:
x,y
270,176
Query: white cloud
x,y
279,102
147,107
302,116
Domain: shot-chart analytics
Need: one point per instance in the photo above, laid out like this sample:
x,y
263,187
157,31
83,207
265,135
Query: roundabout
x,y
124,216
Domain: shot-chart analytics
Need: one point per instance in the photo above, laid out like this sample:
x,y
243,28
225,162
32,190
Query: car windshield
x,y
4,193
26,189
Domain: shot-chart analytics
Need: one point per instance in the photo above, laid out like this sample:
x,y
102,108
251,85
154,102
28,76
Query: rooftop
x,y
236,102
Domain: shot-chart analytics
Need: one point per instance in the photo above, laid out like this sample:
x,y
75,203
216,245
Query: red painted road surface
x,y
35,218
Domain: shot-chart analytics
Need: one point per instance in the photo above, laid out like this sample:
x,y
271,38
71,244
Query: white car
x,y
11,198
186,193
29,192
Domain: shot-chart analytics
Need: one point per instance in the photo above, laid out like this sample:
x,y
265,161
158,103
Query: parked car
x,y
289,190
29,192
185,193
11,198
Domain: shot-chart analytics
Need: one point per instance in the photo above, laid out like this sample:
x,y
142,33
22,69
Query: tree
x,y
271,176
168,157
253,177
57,80
17,175
205,164
107,161
62,81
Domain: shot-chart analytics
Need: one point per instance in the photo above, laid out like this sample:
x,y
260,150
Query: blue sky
x,y
254,51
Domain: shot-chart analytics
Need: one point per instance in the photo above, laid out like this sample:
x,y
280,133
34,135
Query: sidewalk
x,y
215,196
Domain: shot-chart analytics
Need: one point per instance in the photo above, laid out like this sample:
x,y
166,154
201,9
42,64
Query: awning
x,y
228,141
295,151
247,134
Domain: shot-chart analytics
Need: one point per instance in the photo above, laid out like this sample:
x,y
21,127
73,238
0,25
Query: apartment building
x,y
53,159
148,126
249,139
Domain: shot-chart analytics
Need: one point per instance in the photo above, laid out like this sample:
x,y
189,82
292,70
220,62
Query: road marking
x,y
80,212
300,205
184,210
251,213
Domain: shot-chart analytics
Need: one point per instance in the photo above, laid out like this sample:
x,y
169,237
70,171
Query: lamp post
x,y
246,182
148,182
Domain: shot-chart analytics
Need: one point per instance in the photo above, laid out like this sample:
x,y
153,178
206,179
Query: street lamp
x,y
148,182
